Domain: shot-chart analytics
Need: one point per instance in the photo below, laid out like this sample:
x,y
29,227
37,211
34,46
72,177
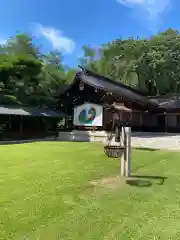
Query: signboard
x,y
88,114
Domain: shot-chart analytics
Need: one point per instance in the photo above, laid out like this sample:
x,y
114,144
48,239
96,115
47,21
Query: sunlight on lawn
x,y
56,190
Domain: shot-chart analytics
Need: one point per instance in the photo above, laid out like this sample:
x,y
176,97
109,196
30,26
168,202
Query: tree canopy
x,y
151,65
29,77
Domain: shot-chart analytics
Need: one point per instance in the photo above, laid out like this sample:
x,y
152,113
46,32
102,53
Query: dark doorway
x,y
162,123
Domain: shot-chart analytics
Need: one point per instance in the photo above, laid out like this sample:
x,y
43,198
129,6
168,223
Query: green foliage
x,y
29,77
151,65
71,190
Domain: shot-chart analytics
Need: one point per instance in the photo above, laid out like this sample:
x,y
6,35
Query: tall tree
x,y
151,65
19,68
22,44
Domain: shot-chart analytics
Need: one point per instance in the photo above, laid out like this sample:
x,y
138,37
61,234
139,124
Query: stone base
x,y
87,136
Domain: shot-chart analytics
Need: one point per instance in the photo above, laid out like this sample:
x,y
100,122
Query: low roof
x,y
29,111
168,103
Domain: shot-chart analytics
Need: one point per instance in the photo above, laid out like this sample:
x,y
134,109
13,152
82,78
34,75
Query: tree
x,y
151,65
53,74
21,44
29,77
19,68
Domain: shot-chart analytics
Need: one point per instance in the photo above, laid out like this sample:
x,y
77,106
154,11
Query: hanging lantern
x,y
115,149
81,86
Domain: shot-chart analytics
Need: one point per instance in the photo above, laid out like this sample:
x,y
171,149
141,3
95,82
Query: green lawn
x,y
46,194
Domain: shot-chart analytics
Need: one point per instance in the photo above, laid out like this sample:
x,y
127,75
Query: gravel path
x,y
139,140
158,141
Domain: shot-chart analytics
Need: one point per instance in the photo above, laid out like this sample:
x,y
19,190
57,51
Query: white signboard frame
x,y
88,114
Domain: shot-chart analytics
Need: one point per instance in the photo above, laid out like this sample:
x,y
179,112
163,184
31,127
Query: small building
x,y
21,122
154,114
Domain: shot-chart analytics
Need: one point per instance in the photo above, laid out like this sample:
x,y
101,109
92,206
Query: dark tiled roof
x,y
163,103
116,88
29,111
167,102
109,85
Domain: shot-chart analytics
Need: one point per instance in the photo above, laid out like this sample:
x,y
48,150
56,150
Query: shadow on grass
x,y
145,181
138,183
146,149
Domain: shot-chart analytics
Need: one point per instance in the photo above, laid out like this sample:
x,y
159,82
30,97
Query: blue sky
x,y
66,25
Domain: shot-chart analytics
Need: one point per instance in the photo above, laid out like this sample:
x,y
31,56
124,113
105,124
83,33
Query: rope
x,y
110,137
121,137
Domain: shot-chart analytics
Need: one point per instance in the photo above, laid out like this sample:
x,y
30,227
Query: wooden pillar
x,y
21,125
141,121
166,122
9,122
178,123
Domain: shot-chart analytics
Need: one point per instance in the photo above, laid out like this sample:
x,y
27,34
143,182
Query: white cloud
x,y
128,2
56,38
151,10
3,41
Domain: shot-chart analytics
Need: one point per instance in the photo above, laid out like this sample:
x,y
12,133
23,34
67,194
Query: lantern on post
x,y
121,118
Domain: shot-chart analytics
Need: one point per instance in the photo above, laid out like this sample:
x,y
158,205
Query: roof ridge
x,y
87,71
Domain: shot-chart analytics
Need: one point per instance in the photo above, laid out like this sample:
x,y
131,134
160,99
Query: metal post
x,y
126,158
128,151
123,156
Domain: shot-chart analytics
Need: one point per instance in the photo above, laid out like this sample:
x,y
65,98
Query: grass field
x,y
46,193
